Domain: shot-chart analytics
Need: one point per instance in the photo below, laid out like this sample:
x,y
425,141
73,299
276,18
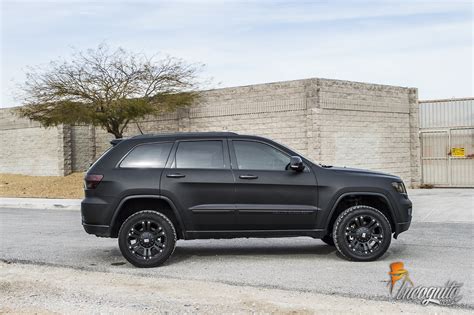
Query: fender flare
x,y
363,193
172,205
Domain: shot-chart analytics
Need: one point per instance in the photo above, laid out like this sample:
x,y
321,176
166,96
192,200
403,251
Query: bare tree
x,y
107,88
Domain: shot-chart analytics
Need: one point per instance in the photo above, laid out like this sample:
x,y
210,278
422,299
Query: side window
x,y
200,154
153,155
259,156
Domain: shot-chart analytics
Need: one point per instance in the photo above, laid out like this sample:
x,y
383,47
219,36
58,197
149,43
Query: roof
x,y
176,135
186,134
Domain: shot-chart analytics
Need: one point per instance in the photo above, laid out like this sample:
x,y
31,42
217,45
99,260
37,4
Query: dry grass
x,y
14,185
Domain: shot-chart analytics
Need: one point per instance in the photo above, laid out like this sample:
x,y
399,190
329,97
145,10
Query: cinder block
x,y
332,121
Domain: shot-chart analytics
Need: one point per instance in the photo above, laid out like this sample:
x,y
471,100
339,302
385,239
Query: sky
x,y
422,44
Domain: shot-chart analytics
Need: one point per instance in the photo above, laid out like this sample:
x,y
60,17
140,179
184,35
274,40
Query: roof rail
x,y
176,134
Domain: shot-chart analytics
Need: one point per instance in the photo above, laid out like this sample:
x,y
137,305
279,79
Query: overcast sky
x,y
423,44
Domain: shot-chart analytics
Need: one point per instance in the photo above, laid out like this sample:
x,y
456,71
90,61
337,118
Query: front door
x,y
268,195
201,184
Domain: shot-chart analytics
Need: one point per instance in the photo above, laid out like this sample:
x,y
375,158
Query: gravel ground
x,y
15,185
46,289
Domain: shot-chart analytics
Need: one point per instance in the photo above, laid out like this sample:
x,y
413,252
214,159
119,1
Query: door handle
x,y
175,175
248,176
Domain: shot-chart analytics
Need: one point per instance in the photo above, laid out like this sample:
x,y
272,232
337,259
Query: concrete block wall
x,y
331,121
167,123
369,126
27,148
83,149
415,149
275,110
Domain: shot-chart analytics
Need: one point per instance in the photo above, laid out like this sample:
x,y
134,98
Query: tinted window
x,y
200,154
258,156
153,155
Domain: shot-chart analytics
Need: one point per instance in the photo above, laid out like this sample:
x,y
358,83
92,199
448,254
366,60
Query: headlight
x,y
399,187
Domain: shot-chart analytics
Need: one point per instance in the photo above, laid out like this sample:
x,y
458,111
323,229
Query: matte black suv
x,y
151,190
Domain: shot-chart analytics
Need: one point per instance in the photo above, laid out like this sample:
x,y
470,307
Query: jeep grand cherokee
x,y
151,190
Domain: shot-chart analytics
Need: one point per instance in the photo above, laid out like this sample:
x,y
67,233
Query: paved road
x,y
432,252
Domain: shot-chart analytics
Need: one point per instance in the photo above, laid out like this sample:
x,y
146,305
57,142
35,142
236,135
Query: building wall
x,y
369,126
26,148
331,121
275,110
83,148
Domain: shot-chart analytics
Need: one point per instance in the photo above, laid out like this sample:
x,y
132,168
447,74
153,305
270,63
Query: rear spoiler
x,y
115,141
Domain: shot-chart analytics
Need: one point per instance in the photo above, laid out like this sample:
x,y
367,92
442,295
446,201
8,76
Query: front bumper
x,y
402,227
406,212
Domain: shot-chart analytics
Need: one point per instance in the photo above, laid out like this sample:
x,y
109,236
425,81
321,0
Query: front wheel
x,y
147,239
362,233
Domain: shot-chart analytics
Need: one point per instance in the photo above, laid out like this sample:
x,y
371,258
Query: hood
x,y
357,171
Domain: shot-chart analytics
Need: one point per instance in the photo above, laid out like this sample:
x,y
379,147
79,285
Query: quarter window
x,y
153,155
200,154
259,156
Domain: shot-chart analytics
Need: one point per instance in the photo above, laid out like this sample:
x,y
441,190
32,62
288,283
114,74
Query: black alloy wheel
x,y
147,239
362,233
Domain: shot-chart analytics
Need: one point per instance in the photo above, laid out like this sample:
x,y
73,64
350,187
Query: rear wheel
x,y
362,233
147,239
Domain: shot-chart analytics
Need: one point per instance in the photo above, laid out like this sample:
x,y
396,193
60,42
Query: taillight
x,y
92,180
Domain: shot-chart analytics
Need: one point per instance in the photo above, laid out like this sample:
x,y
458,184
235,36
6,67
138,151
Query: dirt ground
x,y
26,288
14,185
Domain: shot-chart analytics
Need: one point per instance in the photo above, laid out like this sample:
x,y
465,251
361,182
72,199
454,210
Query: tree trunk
x,y
115,131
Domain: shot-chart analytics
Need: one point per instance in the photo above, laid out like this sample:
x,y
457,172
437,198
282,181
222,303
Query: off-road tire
x,y
342,242
167,233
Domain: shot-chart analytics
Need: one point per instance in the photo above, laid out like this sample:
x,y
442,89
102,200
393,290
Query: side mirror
x,y
296,164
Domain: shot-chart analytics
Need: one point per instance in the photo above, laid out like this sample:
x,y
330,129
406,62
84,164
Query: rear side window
x,y
100,157
153,155
200,154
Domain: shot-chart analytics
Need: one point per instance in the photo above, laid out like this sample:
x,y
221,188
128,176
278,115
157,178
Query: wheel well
x,y
374,201
135,205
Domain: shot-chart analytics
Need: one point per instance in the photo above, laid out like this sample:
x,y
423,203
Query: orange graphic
x,y
398,272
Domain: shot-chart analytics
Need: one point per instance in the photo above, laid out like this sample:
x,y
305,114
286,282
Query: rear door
x,y
200,183
269,196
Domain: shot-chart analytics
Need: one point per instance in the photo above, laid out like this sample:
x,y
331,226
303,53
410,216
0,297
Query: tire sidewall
x,y
339,232
170,240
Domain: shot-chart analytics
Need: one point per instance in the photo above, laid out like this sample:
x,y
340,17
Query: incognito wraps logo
x,y
403,288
